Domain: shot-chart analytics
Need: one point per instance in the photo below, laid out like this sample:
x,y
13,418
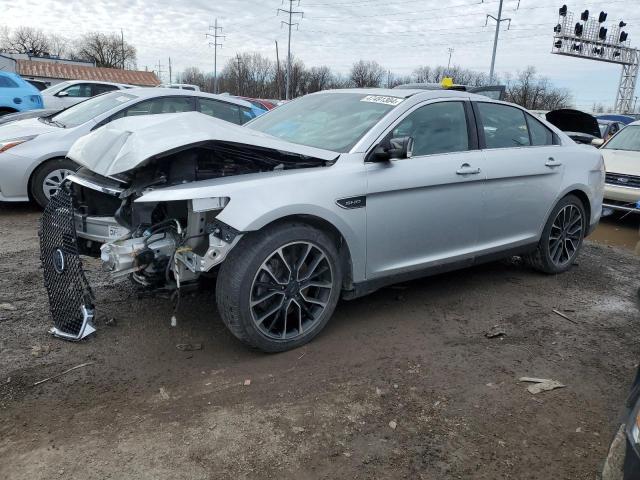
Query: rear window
x,y
504,126
6,82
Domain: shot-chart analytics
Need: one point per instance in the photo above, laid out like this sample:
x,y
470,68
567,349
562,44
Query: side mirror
x,y
597,142
62,94
400,147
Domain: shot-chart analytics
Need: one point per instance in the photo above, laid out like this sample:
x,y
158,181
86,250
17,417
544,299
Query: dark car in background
x,y
623,461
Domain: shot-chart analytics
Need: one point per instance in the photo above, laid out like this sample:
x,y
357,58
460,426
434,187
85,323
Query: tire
x,y
6,111
560,233
46,176
254,280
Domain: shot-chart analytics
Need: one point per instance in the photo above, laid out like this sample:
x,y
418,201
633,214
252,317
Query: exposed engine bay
x,y
170,243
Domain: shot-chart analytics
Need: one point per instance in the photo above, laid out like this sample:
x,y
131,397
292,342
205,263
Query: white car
x,y
181,86
32,152
65,94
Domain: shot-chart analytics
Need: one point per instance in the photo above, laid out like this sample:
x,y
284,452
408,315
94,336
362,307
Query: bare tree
x,y
367,74
27,40
105,50
319,78
536,93
193,76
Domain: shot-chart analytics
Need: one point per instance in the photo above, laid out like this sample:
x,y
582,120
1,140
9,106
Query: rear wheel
x,y
48,177
278,288
561,238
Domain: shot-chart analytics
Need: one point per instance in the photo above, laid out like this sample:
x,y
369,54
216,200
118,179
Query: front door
x,y
425,210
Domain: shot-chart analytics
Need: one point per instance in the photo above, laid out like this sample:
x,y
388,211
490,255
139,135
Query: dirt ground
x,y
414,356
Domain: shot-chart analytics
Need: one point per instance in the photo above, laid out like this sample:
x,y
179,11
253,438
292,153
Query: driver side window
x,y
82,90
436,128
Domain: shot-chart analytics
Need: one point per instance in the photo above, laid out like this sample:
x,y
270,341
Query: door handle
x,y
466,169
551,163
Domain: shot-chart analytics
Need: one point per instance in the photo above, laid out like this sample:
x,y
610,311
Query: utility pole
x,y
449,64
215,36
498,21
278,73
170,80
159,71
239,72
290,24
122,46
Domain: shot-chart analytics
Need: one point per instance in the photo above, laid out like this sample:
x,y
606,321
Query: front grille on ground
x,y
622,180
70,295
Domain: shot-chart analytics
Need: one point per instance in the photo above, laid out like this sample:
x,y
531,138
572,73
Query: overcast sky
x,y
401,35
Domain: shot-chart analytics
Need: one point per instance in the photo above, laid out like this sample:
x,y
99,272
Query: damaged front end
x,y
159,245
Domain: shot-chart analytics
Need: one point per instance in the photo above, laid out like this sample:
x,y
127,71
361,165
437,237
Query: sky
x,y
401,35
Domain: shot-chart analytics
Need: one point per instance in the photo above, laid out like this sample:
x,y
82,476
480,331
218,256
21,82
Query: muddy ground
x,y
415,355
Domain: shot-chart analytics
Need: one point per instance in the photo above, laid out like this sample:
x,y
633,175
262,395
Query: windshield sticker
x,y
383,99
123,98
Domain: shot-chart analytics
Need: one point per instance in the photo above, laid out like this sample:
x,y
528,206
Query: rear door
x,y
524,169
425,211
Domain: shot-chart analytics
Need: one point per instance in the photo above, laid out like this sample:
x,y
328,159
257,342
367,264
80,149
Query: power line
x,y
290,24
215,36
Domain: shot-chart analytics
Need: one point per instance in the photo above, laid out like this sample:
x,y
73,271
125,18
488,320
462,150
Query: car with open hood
x,y
581,127
33,152
330,196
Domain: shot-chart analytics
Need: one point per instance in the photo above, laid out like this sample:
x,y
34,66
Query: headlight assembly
x,y
7,144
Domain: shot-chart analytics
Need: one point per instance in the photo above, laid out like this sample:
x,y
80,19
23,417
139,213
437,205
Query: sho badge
x,y
352,202
59,263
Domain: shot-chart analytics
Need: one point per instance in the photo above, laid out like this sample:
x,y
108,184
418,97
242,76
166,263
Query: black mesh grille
x,y
64,279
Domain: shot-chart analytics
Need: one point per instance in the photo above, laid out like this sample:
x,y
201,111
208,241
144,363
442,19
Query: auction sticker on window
x,y
383,99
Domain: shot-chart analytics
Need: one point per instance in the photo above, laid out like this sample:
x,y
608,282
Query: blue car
x,y
17,95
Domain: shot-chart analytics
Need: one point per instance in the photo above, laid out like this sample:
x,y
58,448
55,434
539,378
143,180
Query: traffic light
x,y
622,24
577,47
563,11
623,37
584,16
558,44
602,34
603,17
557,28
578,30
616,53
599,51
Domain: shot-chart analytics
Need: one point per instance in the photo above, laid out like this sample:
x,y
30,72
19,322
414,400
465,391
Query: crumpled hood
x,y
25,128
127,143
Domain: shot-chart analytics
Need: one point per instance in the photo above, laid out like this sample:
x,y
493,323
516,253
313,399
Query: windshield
x,y
85,111
55,88
331,121
627,139
603,128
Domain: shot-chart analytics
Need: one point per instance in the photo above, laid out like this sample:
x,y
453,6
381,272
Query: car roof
x,y
146,92
406,93
73,82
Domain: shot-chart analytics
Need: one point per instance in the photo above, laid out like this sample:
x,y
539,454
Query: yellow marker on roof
x,y
447,82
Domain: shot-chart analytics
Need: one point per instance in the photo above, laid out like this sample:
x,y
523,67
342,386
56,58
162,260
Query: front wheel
x,y
278,288
48,178
561,238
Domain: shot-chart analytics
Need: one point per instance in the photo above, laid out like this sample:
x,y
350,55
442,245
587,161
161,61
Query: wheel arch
x,y
579,191
36,167
327,227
